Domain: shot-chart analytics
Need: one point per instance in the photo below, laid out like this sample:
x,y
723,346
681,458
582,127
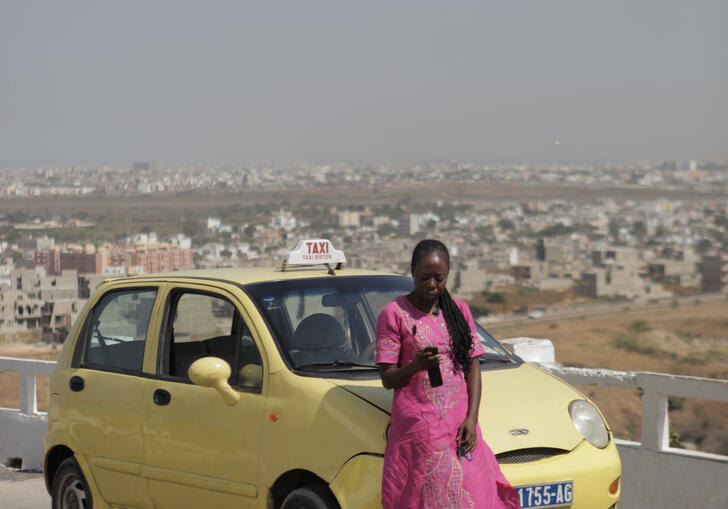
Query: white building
x,y
283,220
349,219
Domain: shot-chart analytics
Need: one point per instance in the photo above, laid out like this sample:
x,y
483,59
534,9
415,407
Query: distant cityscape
x,y
153,177
599,249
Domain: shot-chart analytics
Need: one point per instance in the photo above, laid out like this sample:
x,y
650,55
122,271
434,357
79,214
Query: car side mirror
x,y
251,376
214,372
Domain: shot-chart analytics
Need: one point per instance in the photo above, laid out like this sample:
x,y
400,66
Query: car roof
x,y
245,276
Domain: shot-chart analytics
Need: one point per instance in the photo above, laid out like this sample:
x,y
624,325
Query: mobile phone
x,y
434,373
462,454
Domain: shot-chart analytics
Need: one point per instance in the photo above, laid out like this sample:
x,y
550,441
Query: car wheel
x,y
310,497
70,490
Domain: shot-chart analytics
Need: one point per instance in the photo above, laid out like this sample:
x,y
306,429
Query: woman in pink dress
x,y
435,455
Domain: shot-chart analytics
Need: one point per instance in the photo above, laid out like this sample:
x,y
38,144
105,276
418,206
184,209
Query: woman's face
x,y
430,276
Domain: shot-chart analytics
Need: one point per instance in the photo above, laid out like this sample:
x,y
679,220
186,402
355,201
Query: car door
x,y
103,399
200,451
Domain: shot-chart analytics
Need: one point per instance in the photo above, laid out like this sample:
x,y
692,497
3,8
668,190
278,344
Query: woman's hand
x,y
424,360
394,377
467,434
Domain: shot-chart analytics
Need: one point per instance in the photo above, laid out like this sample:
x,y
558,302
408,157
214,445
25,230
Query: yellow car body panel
x,y
358,485
201,451
503,409
319,427
526,398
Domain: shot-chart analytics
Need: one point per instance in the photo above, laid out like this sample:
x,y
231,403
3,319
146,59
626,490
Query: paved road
x,y
605,309
22,490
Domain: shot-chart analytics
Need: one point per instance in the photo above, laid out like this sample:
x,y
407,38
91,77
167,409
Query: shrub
x,y
675,403
639,326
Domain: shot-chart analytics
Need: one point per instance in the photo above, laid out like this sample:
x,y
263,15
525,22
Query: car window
x,y
326,325
490,345
329,323
203,325
117,329
317,322
304,302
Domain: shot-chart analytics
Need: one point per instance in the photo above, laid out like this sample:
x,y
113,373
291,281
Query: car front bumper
x,y
593,470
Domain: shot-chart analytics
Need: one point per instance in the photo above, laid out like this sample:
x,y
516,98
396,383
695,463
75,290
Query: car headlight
x,y
587,420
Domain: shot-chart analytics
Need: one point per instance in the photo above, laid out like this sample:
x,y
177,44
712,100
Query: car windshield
x,y
328,324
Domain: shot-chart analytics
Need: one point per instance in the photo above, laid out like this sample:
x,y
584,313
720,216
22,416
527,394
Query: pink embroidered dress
x,y
421,466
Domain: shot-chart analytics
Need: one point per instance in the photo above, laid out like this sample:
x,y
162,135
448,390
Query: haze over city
x,y
551,81
571,154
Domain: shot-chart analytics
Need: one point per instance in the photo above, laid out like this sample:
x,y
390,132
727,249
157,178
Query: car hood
x,y
522,398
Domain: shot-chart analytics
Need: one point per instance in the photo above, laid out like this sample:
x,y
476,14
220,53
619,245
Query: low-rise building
x,y
34,300
162,258
713,272
679,267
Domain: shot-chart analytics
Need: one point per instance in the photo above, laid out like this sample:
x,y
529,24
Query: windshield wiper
x,y
334,365
497,358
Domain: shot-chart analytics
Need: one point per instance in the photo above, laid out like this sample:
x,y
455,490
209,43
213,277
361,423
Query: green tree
x,y
704,246
386,229
557,229
639,326
639,229
478,311
614,229
496,297
485,232
249,231
506,224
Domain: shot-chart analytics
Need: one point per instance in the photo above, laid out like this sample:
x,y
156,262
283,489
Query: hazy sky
x,y
497,81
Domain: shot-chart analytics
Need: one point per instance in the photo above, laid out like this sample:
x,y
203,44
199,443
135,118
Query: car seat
x,y
320,338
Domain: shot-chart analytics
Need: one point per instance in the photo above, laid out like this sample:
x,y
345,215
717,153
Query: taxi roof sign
x,y
314,252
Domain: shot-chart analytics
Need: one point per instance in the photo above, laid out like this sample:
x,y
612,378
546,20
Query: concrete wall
x,y
21,436
675,479
22,430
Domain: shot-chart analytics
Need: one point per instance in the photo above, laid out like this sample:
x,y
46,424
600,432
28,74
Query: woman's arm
x,y
467,434
394,377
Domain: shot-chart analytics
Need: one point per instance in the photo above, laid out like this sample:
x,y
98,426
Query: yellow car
x,y
238,388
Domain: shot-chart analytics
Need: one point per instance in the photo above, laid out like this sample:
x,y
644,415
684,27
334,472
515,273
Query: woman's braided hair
x,y
460,335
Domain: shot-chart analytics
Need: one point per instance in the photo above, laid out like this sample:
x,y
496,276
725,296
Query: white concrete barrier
x,y
533,349
654,475
22,429
671,478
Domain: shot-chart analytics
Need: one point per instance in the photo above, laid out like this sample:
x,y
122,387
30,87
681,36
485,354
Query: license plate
x,y
554,494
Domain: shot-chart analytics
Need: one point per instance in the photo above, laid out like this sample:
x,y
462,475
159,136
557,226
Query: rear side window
x,y
117,329
199,316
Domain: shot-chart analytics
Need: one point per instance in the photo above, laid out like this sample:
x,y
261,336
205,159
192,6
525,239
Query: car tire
x,y
310,497
70,489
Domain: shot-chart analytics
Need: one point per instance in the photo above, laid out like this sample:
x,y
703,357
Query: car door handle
x,y
162,397
76,383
